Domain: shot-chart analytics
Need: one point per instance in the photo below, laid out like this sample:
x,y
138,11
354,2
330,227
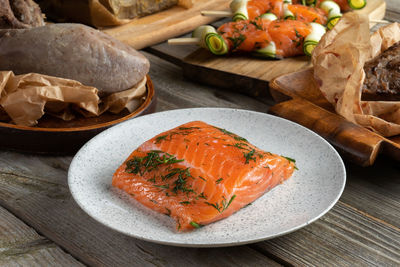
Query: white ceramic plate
x,y
302,199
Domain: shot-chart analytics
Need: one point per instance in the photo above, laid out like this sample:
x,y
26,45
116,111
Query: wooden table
x,y
41,225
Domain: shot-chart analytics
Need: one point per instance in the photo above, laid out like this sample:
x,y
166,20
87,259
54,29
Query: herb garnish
x,y
195,224
202,178
168,212
223,206
258,27
292,160
219,181
201,195
160,138
249,156
150,162
238,138
166,186
185,202
237,41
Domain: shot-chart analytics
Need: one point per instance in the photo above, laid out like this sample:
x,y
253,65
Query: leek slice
x,y
239,10
357,4
287,14
269,16
216,44
266,52
311,41
333,11
201,32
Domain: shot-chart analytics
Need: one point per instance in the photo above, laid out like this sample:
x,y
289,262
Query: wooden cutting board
x,y
250,75
158,27
301,101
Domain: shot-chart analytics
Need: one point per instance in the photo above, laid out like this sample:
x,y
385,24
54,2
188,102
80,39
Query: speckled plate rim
x,y
227,243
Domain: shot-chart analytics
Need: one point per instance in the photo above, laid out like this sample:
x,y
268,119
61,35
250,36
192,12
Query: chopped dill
x,y
196,225
168,212
219,181
238,138
201,195
166,186
185,202
221,207
249,156
160,138
150,162
202,178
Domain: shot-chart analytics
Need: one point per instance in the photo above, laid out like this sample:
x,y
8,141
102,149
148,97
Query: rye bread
x,y
382,80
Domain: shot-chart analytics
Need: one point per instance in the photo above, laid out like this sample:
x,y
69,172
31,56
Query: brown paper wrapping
x,y
338,69
24,99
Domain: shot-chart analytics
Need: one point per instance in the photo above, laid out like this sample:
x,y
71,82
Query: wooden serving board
x,y
251,75
158,27
301,101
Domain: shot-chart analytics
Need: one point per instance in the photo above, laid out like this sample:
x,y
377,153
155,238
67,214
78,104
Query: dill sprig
x,y
150,162
249,156
195,224
221,207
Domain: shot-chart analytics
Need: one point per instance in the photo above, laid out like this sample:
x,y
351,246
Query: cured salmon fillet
x,y
198,174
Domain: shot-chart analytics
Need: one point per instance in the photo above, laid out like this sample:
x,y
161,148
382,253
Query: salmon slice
x,y
256,8
308,14
197,174
250,35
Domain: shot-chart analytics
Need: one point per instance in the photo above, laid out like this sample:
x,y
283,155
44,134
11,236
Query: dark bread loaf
x,y
101,12
382,80
73,51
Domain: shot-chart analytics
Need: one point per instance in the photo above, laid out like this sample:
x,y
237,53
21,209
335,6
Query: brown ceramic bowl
x,y
55,136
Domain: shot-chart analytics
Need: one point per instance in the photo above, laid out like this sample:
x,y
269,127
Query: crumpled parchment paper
x,y
338,63
24,99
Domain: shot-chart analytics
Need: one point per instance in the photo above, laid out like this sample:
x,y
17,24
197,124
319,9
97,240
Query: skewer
x,y
220,14
184,41
379,21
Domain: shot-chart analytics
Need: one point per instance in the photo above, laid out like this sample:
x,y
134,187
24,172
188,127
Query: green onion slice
x,y
333,11
201,32
216,44
239,10
266,52
311,41
269,16
287,1
357,4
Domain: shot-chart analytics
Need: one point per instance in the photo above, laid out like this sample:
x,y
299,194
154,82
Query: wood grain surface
x,y
356,232
158,27
40,224
20,245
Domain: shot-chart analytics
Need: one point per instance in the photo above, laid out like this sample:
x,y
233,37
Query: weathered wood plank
x,y
45,203
35,188
343,237
375,190
20,245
